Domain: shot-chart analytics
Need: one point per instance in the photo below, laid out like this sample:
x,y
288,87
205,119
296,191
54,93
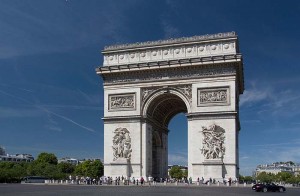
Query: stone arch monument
x,y
147,84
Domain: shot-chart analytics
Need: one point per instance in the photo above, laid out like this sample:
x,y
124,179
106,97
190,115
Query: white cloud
x,y
177,159
41,27
54,128
72,107
257,154
271,99
18,112
169,30
41,108
253,96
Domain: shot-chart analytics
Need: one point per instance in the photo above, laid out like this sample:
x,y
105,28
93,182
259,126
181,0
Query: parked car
x,y
268,188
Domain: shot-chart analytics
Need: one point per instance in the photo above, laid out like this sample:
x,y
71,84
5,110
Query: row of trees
x,y
46,165
283,177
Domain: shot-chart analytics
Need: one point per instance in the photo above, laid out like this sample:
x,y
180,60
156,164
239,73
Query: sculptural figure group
x,y
213,142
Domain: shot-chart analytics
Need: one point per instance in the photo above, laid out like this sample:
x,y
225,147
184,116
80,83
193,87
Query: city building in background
x,y
277,167
73,161
14,158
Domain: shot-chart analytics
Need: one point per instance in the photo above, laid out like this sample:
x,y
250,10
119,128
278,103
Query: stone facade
x,y
147,84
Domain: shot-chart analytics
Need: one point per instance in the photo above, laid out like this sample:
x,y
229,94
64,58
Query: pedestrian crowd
x,y
121,180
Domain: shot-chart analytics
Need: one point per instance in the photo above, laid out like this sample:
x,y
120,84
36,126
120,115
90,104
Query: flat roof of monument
x,y
170,41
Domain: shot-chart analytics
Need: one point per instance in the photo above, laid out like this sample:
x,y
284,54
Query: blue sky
x,y
52,100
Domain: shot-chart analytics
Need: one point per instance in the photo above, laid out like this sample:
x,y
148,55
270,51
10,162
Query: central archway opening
x,y
160,112
177,142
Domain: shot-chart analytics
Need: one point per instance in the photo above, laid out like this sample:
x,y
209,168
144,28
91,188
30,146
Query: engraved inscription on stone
x,y
122,102
121,144
218,96
213,142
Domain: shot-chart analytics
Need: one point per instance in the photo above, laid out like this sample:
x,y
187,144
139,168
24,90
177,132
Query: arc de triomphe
x,y
146,84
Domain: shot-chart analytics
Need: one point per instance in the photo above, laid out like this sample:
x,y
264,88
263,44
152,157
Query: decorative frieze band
x,y
121,102
169,74
213,96
190,50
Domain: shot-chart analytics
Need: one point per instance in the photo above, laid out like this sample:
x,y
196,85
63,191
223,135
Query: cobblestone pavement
x,y
105,190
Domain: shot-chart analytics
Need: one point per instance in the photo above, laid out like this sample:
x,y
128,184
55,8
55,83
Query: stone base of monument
x,y
120,167
213,168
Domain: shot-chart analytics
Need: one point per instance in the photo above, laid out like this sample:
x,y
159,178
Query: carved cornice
x,y
121,119
170,41
212,115
183,62
190,50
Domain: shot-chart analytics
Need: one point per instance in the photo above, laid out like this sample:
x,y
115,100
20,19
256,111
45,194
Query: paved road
x,y
74,190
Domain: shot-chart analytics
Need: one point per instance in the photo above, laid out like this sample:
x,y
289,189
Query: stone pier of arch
x,y
147,84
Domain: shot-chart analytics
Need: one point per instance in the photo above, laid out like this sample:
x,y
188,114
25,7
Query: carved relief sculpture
x,y
218,96
147,91
125,101
187,91
121,144
213,142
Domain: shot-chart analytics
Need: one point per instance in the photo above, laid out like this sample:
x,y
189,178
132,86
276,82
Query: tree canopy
x,y
176,172
283,177
46,165
45,157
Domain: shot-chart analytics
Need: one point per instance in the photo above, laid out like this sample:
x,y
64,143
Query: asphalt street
x,y
74,190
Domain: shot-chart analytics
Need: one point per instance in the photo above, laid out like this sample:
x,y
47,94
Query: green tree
x,y
12,172
48,170
45,157
284,176
241,178
176,172
246,179
90,168
266,177
46,166
66,168
185,173
290,162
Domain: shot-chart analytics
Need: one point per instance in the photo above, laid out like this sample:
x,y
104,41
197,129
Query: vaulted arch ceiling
x,y
164,107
